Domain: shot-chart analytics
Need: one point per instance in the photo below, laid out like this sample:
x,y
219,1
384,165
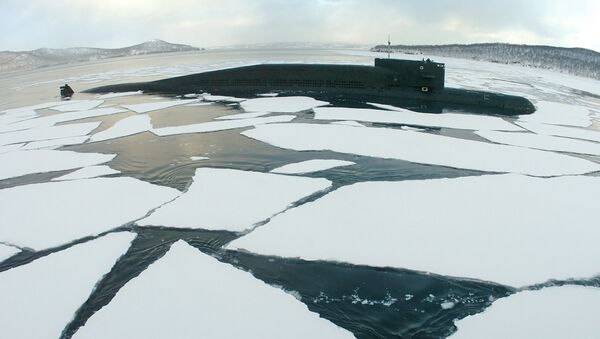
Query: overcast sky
x,y
30,24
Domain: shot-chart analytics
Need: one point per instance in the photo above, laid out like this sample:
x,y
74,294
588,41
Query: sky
x,y
31,24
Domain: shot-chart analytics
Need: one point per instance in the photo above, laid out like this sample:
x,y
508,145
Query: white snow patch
x,y
208,97
309,166
88,172
118,95
510,229
545,142
19,163
207,294
58,118
213,126
270,95
49,214
197,158
552,312
281,104
39,299
559,114
83,105
55,143
242,116
7,252
404,116
447,305
10,148
568,132
349,123
419,148
127,126
215,193
46,133
200,104
154,106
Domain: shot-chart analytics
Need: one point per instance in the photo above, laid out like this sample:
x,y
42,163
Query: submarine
x,y
412,84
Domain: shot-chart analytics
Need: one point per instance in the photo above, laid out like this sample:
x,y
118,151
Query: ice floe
x,y
242,116
203,295
199,104
208,97
127,126
404,116
118,95
559,114
419,148
39,299
10,148
254,197
198,158
545,142
561,131
348,123
19,162
88,172
281,104
309,166
55,143
82,105
46,133
552,312
58,118
49,214
7,252
213,126
510,229
155,106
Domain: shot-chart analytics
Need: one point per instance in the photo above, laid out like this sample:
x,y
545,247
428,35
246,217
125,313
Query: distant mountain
x,y
42,57
577,61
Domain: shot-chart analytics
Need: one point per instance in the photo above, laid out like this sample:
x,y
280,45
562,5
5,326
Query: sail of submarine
x,y
391,81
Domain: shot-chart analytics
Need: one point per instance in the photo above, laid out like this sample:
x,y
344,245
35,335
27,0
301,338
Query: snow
x,y
200,104
348,123
35,215
197,158
552,312
55,143
544,142
233,200
82,105
510,229
46,133
58,118
419,148
270,95
559,114
561,131
214,126
208,97
118,95
7,252
404,116
154,106
242,116
308,166
19,163
127,126
10,148
39,299
281,104
88,172
203,296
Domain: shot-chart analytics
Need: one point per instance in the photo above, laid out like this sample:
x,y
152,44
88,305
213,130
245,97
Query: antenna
x,y
389,46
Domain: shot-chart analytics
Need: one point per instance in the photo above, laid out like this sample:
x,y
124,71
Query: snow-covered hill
x,y
14,61
576,61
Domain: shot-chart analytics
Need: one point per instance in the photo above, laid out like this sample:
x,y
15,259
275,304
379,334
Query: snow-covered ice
x,y
348,123
127,126
82,105
561,131
46,133
510,229
242,116
155,106
552,312
39,299
55,143
420,148
203,297
309,166
214,126
234,200
10,148
118,95
7,252
51,120
545,142
208,97
199,104
559,114
49,214
88,172
19,162
404,116
281,104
